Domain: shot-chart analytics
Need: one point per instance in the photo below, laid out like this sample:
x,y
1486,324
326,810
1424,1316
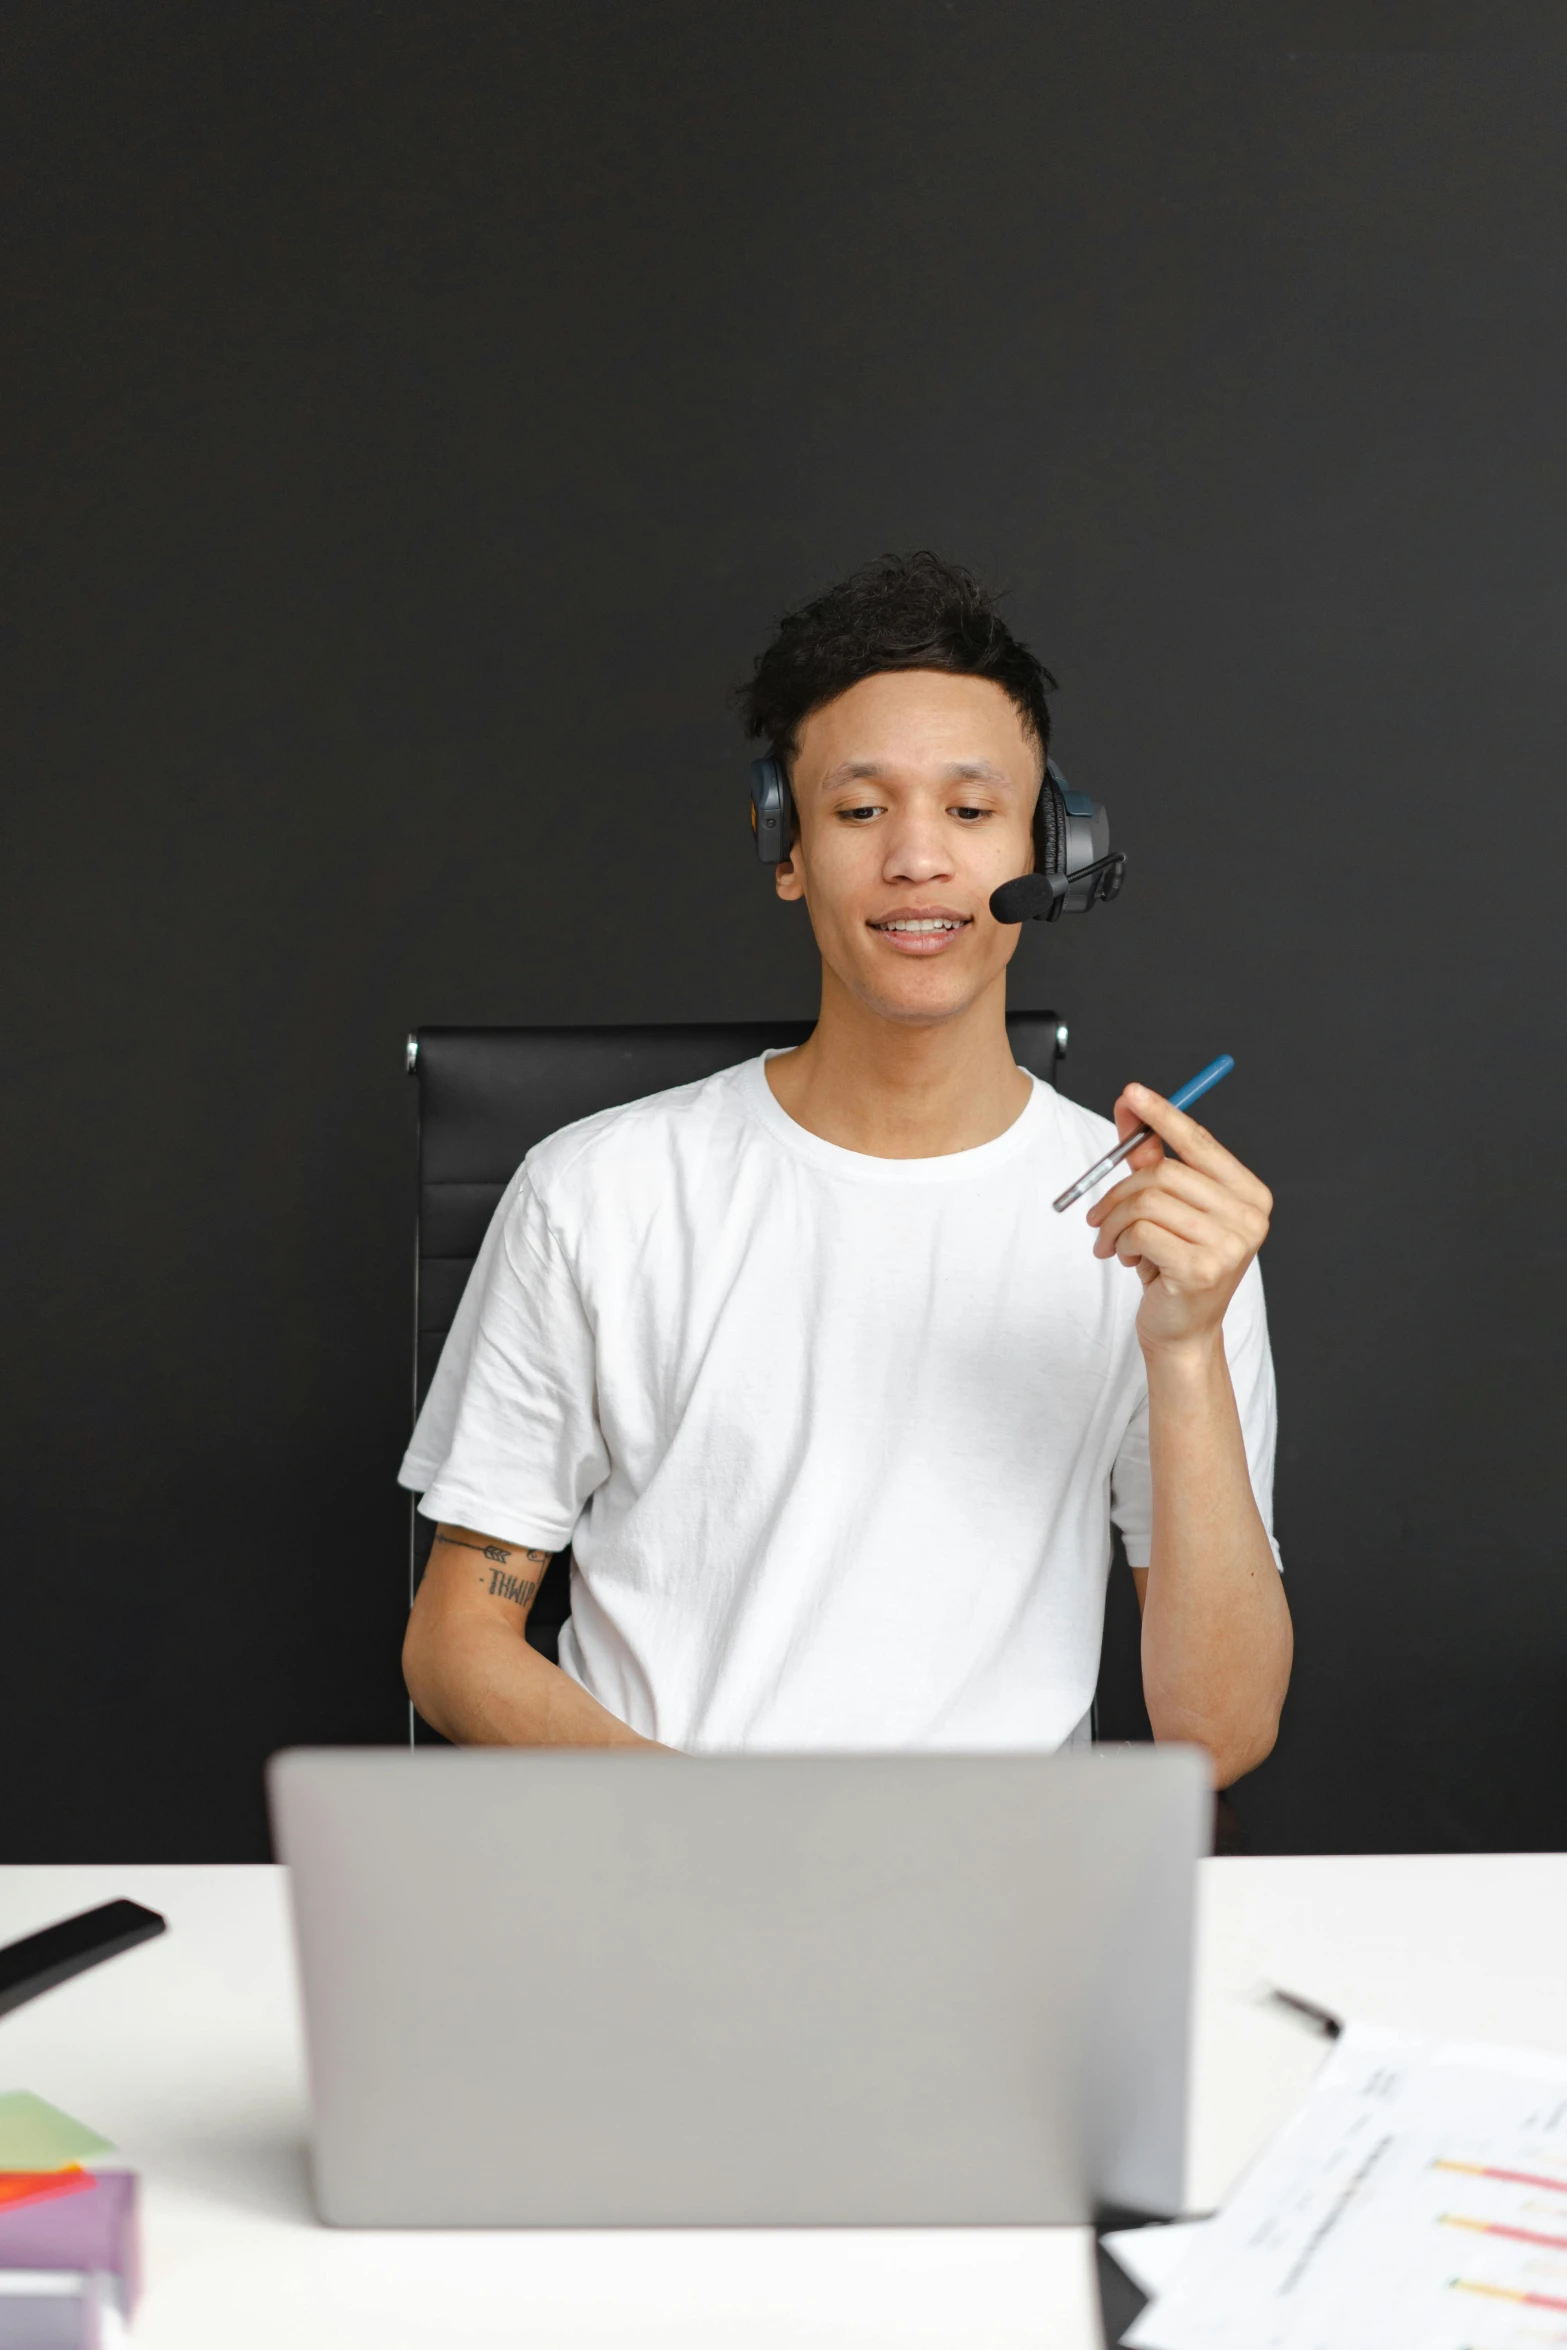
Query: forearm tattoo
x,y
519,1589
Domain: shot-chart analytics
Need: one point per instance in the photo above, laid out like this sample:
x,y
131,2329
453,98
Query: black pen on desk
x,y
1181,1099
1323,2017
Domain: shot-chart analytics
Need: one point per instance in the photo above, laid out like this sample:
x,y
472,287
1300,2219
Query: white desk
x,y
187,2053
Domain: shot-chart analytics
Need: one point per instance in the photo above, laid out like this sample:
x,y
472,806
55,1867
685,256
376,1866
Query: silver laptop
x,y
550,1989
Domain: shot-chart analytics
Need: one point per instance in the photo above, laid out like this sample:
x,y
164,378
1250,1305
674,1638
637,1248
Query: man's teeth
x,y
919,925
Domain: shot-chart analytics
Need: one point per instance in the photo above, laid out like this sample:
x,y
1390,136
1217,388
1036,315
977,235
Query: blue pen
x,y
1182,1100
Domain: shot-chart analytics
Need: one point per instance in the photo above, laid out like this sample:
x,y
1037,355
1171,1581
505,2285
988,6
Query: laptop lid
x,y
548,1988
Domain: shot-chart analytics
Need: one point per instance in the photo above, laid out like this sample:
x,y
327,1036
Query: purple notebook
x,y
93,2230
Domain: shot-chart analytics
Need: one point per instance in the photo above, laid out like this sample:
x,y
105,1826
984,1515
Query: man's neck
x,y
898,1089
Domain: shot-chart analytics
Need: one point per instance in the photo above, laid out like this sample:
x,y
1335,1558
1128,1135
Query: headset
x,y
1075,867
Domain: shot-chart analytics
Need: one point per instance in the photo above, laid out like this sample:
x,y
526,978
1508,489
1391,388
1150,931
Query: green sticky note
x,y
36,2136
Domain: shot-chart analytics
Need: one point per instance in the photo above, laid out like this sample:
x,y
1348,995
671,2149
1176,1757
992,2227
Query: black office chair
x,y
487,1095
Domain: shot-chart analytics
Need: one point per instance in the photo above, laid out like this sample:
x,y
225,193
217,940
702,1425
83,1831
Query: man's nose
x,y
918,848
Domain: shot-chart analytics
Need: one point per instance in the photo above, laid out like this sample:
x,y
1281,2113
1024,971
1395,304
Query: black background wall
x,y
414,418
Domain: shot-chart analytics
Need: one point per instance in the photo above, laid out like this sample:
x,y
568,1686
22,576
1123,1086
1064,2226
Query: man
x,y
834,1412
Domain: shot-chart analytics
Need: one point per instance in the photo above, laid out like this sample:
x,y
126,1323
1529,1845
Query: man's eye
x,y
858,815
969,814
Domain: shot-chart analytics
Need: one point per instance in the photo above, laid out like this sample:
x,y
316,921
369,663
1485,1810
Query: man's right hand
x,y
466,1658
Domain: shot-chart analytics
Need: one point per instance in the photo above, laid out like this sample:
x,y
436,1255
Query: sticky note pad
x,y
92,2232
38,2136
52,2308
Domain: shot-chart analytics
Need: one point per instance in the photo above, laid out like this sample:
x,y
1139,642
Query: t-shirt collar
x,y
861,1166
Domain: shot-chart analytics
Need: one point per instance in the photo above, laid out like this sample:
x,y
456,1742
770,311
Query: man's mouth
x,y
922,933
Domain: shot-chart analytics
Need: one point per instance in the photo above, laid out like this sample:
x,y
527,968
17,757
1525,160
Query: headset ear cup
x,y
1050,834
1073,866
772,811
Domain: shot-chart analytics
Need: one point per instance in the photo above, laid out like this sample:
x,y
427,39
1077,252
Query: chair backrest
x,y
487,1095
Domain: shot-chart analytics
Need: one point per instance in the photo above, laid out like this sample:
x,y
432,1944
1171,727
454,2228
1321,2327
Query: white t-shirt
x,y
836,1440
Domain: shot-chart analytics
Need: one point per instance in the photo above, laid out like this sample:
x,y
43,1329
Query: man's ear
x,y
788,878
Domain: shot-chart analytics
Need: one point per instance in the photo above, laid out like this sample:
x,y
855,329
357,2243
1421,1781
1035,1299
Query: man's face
x,y
915,793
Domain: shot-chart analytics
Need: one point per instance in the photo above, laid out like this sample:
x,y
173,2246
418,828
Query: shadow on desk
x,y
264,2176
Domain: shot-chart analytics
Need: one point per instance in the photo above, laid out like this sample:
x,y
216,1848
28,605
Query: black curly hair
x,y
901,612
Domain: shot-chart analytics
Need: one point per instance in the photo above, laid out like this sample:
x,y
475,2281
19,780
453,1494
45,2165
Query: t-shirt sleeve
x,y
508,1441
1250,1359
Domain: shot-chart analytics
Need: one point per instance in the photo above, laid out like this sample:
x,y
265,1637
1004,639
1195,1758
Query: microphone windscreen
x,y
1028,899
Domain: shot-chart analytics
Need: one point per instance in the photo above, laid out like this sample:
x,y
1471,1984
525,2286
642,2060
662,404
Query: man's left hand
x,y
1191,1224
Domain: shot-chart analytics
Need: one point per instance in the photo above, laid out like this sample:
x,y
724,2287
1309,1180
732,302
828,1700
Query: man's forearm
x,y
1217,1642
479,1682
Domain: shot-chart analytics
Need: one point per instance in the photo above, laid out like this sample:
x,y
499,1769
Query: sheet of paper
x,y
38,2136
1151,2256
1418,2201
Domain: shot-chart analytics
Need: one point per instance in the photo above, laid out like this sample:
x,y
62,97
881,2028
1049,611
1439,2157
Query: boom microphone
x,y
1039,897
1033,897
